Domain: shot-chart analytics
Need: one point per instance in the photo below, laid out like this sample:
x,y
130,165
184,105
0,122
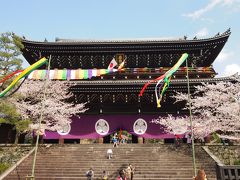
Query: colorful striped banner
x,y
68,74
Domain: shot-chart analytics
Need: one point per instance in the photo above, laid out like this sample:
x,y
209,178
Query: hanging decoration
x,y
69,74
58,74
163,81
23,74
10,75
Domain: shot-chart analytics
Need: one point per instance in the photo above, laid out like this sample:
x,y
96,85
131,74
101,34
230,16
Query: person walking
x,y
104,175
121,175
109,153
177,140
115,140
129,171
201,175
132,170
90,174
189,139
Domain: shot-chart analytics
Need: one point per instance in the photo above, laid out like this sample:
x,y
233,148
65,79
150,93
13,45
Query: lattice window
x,y
131,61
120,98
132,98
94,98
107,98
86,62
166,60
146,98
153,60
96,61
142,60
80,98
61,61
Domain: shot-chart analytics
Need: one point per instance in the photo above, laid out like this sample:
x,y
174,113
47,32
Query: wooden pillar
x,y
140,140
61,141
100,140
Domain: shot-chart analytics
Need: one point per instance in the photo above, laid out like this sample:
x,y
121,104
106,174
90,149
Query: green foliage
x,y
10,46
237,162
9,111
23,125
3,167
216,138
12,117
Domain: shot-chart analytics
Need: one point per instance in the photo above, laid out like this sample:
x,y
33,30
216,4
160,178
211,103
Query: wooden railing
x,y
225,172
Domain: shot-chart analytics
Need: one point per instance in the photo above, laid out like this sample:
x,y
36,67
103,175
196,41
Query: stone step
x,y
151,162
174,177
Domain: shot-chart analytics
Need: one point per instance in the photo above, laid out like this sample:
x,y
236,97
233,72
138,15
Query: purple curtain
x,y
84,127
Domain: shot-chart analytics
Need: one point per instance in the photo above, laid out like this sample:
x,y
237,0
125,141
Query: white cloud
x,y
198,13
212,4
229,2
231,69
224,56
202,32
233,4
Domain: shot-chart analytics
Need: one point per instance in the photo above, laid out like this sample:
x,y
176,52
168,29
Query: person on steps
x,y
201,175
104,175
90,174
121,175
109,153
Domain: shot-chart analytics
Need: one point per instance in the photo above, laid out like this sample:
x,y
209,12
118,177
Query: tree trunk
x,y
16,137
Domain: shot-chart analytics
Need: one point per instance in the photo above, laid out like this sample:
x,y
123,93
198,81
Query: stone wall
x,y
226,154
9,155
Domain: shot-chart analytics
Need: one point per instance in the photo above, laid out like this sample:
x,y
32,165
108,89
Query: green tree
x,y
9,115
10,46
10,61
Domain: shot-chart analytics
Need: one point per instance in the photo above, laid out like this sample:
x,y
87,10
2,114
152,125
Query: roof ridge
x,y
129,40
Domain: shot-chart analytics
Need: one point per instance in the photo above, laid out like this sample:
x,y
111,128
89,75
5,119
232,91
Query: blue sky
x,y
126,19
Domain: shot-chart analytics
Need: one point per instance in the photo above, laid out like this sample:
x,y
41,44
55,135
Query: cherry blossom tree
x,y
181,125
215,107
58,105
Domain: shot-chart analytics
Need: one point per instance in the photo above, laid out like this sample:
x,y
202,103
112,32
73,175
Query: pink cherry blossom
x,y
59,105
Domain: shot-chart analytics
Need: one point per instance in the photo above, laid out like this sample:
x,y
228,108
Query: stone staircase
x,y
151,162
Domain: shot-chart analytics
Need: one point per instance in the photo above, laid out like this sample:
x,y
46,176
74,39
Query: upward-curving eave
x,y
205,49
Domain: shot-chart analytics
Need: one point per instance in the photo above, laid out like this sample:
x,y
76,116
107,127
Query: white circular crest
x,y
140,126
65,129
102,127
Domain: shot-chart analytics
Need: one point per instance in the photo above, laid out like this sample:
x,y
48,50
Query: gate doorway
x,y
123,136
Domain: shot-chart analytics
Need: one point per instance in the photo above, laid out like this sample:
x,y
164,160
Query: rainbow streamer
x,y
9,76
23,74
165,78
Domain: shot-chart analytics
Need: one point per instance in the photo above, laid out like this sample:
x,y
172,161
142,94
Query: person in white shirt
x,y
109,153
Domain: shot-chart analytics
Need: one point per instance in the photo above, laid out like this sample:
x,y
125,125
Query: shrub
x,y
3,167
237,162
